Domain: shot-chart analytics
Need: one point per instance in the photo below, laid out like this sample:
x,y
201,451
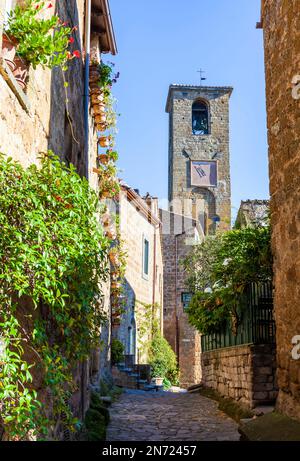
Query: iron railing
x,y
256,325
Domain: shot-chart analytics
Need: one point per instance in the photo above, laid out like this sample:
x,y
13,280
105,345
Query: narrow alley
x,y
168,416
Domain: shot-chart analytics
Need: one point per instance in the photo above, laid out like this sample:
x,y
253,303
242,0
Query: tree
x,y
219,271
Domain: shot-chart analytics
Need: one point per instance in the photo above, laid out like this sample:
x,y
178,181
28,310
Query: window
x,y
145,257
200,118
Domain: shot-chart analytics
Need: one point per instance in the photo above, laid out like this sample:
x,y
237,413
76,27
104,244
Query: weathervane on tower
x,y
201,72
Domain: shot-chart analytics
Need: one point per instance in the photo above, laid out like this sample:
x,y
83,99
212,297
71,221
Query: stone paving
x,y
168,416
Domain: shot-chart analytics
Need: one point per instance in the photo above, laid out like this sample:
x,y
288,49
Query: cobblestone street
x,y
168,416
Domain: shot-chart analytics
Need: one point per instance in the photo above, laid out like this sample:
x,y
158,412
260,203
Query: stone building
x,y
140,233
253,213
280,21
199,164
179,234
37,118
199,202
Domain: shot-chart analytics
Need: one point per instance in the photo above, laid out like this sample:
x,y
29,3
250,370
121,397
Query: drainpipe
x,y
176,309
87,40
154,275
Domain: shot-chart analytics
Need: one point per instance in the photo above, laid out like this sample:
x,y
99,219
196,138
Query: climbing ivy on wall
x,y
53,259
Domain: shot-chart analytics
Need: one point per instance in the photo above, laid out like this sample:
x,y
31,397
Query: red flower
x,y
50,5
76,53
71,40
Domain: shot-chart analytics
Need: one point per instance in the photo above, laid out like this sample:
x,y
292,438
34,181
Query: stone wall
x,y
243,373
281,24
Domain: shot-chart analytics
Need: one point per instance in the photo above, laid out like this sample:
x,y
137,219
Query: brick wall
x,y
281,24
244,373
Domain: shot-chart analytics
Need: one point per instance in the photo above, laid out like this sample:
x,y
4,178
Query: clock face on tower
x,y
204,173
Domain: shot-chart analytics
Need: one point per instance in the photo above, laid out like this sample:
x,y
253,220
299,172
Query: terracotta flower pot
x,y
94,86
100,118
113,258
103,158
21,71
115,285
105,194
96,91
97,98
99,108
101,127
110,234
9,51
116,315
104,141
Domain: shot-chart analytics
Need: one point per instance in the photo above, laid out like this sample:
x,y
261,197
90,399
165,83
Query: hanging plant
x,y
39,41
104,141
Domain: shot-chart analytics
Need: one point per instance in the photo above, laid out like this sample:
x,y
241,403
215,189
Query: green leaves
x,y
219,270
54,255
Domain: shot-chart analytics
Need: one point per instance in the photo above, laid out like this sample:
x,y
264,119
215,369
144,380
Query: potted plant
x,y
101,127
9,50
110,234
99,108
113,257
38,41
158,381
97,98
115,284
103,158
104,141
113,155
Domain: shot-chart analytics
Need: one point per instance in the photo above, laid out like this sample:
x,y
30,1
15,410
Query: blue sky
x,y
166,41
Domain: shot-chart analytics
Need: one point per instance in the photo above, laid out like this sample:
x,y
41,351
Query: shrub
x,y
162,359
97,404
219,271
117,351
95,425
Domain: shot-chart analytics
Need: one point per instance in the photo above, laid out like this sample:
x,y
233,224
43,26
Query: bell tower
x,y
199,159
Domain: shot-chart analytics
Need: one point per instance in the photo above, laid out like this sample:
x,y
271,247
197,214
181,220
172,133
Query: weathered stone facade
x,y
139,221
194,211
178,236
204,204
253,213
281,24
36,119
244,373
